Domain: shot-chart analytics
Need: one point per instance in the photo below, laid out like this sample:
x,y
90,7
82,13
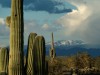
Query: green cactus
x,y
29,57
16,60
4,60
39,56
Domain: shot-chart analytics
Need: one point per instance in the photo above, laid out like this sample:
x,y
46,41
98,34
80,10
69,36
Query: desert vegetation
x,y
82,64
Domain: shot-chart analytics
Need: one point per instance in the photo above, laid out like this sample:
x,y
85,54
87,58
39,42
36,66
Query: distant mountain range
x,y
70,47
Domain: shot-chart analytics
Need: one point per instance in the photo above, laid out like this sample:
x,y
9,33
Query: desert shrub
x,y
55,67
71,62
97,62
84,60
80,60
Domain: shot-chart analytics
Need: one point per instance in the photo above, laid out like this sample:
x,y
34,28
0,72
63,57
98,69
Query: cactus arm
x,y
8,21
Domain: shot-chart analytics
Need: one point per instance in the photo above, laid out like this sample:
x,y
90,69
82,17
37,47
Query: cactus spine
x,y
39,56
4,60
16,62
29,57
52,50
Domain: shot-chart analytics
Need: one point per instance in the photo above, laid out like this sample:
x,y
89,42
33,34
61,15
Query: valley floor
x,y
71,65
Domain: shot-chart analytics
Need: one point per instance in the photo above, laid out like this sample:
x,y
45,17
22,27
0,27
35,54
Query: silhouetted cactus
x,y
46,67
39,56
29,57
4,60
16,62
3,73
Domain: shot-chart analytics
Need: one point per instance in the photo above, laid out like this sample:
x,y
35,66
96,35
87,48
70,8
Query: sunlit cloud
x,y
2,21
45,27
83,22
73,20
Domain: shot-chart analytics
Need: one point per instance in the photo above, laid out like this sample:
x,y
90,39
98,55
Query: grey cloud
x,y
5,3
92,35
49,6
46,5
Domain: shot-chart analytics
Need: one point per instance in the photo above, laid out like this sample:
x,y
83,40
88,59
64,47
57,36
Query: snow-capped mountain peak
x,y
67,42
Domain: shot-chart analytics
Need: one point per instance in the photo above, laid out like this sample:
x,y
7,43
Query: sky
x,y
67,19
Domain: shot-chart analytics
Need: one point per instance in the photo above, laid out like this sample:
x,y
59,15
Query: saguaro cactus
x,y
39,56
4,60
16,62
52,50
29,57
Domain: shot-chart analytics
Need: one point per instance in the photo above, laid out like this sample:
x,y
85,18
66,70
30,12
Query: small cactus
x,y
39,56
4,60
29,57
52,50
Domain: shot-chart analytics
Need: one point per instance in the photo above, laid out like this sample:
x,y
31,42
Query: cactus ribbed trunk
x,y
4,60
52,43
52,46
52,50
16,62
39,56
30,55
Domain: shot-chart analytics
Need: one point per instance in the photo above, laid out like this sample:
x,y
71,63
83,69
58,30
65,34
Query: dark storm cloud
x,y
45,5
5,3
50,6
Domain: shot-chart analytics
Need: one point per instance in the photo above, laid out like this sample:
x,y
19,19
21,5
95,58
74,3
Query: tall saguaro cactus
x,y
4,60
30,55
16,62
39,56
52,50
